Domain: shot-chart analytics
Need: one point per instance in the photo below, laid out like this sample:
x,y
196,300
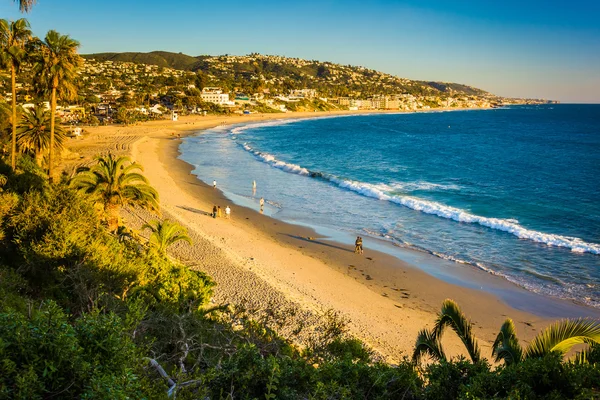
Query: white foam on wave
x,y
271,160
279,122
418,185
511,226
429,207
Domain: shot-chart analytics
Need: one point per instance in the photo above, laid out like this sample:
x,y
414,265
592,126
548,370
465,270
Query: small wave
x,y
541,284
271,160
274,204
279,122
417,186
511,226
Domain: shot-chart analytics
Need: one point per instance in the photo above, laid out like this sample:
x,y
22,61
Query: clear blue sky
x,y
527,48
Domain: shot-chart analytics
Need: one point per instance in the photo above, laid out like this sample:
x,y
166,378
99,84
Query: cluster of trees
x,y
54,62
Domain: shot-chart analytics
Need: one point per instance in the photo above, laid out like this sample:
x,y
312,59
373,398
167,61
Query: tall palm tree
x,y
13,37
115,182
33,133
55,69
166,233
559,337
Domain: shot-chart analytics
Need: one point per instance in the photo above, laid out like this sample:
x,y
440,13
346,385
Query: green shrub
x,y
54,239
45,356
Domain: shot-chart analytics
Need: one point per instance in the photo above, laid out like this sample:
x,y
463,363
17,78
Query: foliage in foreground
x,y
87,314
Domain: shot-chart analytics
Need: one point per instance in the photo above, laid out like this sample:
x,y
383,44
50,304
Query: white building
x,y
215,95
303,93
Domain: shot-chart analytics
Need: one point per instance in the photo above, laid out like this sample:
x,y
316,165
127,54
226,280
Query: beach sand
x,y
286,274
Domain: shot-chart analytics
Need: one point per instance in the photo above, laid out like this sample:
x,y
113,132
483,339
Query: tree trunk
x,y
52,116
112,216
39,158
13,162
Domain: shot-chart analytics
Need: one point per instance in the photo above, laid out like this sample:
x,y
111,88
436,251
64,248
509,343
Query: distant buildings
x,y
215,95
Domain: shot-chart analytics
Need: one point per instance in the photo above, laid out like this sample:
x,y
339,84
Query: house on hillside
x,y
215,95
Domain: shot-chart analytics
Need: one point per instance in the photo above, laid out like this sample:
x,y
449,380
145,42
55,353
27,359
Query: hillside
x,y
254,72
159,58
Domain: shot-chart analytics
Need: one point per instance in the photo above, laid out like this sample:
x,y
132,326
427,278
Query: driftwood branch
x,y
161,372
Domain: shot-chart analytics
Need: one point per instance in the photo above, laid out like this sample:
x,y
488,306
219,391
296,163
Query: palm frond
x,y
166,233
452,316
562,336
428,343
25,5
113,183
506,346
33,132
55,65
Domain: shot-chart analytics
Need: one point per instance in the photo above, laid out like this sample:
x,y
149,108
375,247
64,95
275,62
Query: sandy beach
x,y
286,271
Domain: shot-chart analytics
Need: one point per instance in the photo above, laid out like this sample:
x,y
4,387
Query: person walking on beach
x,y
227,212
214,214
219,213
262,204
358,245
214,184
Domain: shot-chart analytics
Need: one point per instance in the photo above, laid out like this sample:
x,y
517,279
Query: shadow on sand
x,y
194,210
318,242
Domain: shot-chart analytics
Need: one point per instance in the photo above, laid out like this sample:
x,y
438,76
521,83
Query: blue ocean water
x,y
513,191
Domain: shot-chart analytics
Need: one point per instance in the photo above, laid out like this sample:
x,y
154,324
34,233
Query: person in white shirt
x,y
262,203
214,184
227,212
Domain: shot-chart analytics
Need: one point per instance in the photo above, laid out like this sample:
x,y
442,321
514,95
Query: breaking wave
x,y
382,192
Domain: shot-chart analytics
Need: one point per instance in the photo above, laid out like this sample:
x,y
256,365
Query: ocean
x,y
513,191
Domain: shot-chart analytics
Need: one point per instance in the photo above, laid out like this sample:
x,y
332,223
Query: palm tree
x,y
33,133
557,338
166,233
429,342
56,63
25,5
115,182
13,37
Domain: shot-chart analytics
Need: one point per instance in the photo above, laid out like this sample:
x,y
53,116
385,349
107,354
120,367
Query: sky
x,y
528,48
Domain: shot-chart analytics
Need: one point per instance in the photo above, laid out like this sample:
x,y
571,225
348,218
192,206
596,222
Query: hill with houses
x,y
255,73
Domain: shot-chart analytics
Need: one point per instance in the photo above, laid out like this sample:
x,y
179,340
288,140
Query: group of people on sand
x,y
216,212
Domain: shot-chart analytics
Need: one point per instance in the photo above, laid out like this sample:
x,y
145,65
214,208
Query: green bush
x,y
44,356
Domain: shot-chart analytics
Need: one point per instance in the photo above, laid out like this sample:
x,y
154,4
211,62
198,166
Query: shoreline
x,y
386,310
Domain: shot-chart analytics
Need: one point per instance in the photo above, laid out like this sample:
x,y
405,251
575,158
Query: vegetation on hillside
x,y
254,72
